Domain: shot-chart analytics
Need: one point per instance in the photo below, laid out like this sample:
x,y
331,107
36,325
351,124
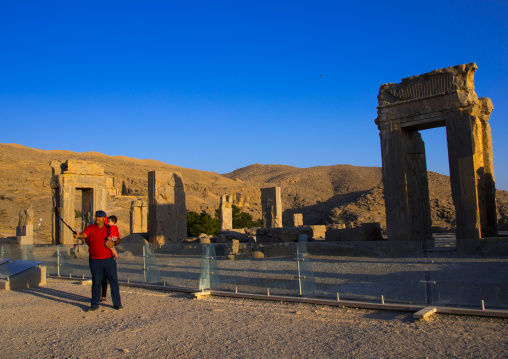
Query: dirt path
x,y
52,322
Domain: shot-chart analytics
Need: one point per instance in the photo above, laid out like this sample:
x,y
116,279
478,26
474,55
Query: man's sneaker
x,y
118,307
93,309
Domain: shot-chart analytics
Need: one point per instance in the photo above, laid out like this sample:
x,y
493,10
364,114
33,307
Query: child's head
x,y
112,219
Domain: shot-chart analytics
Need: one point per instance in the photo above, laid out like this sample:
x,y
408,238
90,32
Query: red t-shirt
x,y
95,240
113,231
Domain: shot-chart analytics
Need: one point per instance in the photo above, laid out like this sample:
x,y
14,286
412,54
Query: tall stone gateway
x,y
226,212
271,207
73,182
166,207
443,97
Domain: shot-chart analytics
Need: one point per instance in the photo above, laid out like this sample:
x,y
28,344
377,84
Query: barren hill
x,y
341,194
26,174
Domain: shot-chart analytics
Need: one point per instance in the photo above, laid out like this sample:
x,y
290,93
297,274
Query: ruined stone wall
x,y
167,209
271,207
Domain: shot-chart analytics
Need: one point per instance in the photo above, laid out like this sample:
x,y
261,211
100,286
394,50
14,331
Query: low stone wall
x,y
366,232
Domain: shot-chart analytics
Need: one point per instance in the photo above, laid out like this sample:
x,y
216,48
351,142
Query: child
x,y
112,240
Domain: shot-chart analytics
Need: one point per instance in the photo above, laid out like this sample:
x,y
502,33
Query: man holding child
x,y
101,260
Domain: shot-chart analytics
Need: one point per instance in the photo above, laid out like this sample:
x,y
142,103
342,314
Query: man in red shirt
x,y
101,261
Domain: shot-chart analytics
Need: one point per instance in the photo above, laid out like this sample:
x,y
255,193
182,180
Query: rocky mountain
x,y
339,195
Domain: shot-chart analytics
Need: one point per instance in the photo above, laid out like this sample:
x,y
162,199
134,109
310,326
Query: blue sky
x,y
219,85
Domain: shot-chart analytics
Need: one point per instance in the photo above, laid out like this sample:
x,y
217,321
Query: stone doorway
x,y
83,205
73,182
443,97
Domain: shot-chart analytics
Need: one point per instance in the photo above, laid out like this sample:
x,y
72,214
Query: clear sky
x,y
219,85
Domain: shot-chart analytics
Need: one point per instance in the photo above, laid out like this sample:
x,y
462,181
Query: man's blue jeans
x,y
104,267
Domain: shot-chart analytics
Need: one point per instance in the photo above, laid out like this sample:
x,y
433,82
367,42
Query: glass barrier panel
x,y
11,251
72,261
305,274
180,264
132,265
465,281
266,269
47,254
393,280
209,274
152,273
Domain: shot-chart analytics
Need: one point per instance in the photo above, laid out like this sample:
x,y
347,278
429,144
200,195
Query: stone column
x,y
65,212
417,187
167,209
405,185
25,229
484,167
271,206
226,212
139,217
394,183
297,219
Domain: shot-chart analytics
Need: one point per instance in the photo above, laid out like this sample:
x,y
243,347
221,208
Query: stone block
x,y
297,219
204,240
258,255
235,246
318,232
31,278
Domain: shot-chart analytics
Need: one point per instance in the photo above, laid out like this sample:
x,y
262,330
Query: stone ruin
x,y
111,186
167,208
67,178
25,228
271,207
297,219
139,217
226,212
443,97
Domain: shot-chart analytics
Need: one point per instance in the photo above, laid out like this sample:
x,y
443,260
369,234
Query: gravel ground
x,y
52,322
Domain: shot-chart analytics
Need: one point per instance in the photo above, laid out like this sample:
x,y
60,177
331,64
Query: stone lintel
x,y
77,167
453,79
77,181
